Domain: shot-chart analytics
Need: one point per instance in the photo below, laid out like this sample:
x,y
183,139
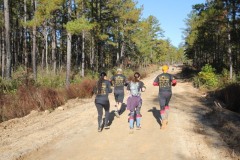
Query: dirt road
x,y
70,133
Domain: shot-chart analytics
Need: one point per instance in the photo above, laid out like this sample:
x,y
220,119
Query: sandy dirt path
x,y
71,134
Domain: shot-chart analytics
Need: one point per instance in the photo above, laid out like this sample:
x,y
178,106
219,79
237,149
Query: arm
x,y
111,81
156,81
126,82
128,88
174,81
109,87
142,86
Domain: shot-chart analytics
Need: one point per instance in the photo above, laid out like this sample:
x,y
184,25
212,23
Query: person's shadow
x,y
156,114
112,114
123,108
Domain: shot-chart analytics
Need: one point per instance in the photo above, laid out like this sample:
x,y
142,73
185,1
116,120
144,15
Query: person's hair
x,y
136,76
119,70
100,81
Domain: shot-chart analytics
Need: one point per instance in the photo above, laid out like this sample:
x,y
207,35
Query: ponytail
x,y
136,76
100,81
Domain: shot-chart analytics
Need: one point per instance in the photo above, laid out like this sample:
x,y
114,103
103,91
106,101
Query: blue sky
x,y
171,15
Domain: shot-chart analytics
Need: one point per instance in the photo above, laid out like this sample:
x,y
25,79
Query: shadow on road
x,y
123,108
156,114
112,113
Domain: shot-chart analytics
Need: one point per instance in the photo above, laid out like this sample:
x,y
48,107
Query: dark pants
x,y
100,108
164,98
119,96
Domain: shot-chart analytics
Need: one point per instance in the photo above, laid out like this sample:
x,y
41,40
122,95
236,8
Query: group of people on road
x,y
135,86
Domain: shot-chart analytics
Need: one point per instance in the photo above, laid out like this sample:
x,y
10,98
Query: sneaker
x,y
138,127
163,125
131,131
107,127
117,114
99,129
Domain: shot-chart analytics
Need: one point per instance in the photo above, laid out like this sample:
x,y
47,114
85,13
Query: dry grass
x,y
29,96
228,125
81,90
230,96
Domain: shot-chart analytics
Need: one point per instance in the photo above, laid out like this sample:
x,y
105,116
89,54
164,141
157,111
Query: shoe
x,y
131,131
117,114
166,122
99,129
107,127
163,125
138,127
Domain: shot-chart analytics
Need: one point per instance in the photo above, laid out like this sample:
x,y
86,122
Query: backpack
x,y
134,88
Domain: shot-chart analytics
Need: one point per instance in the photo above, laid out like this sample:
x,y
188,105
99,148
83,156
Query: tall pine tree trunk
x,y
54,61
92,52
25,37
1,43
3,55
7,39
69,47
83,54
34,61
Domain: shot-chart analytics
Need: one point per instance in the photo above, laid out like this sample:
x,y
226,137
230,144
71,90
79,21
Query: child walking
x,y
134,101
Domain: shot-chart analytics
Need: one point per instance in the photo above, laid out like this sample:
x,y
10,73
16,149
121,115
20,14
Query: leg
x,y
116,101
168,97
100,113
116,95
138,115
120,101
131,119
106,108
162,101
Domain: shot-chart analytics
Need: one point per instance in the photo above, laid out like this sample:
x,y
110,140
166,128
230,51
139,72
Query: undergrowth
x,y
22,94
218,84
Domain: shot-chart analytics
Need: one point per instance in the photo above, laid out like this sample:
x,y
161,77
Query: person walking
x,y
134,101
118,81
165,81
102,90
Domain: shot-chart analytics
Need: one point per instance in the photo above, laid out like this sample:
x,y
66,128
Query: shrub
x,y
81,90
51,80
207,76
28,98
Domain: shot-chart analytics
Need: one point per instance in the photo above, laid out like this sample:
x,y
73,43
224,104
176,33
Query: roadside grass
x,y
22,95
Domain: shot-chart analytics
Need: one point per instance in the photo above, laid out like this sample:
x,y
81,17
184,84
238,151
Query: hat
x,y
164,68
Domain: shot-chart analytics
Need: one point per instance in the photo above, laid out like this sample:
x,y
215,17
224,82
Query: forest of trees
x,y
213,35
79,35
